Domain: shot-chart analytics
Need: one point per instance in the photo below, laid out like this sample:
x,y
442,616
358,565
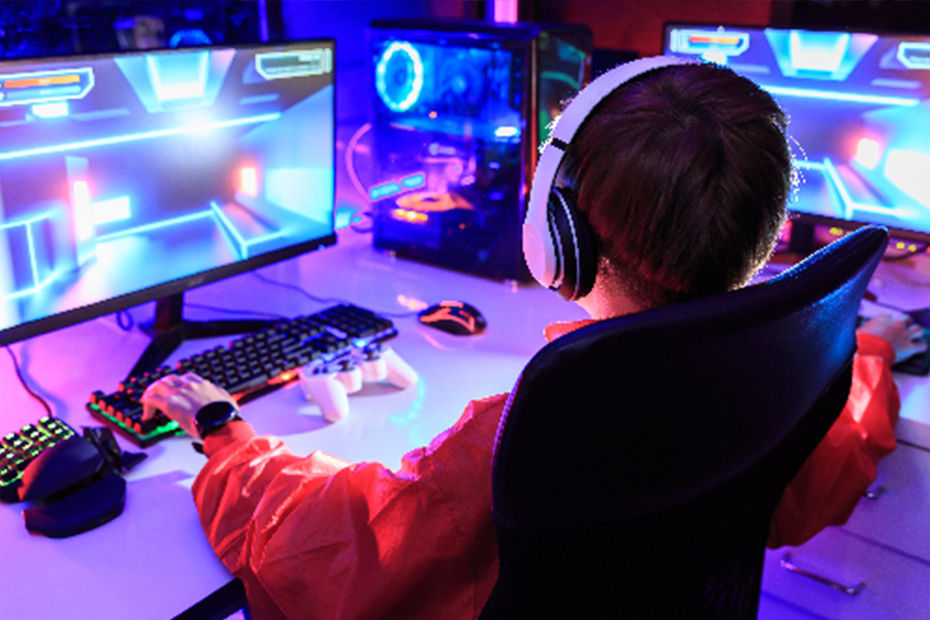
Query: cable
x,y
257,313
124,320
25,385
325,300
351,146
350,160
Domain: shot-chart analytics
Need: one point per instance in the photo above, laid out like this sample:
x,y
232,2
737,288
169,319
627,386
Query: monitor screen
x,y
134,176
859,114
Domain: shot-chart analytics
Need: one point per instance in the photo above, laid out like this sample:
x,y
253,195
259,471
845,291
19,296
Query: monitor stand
x,y
170,329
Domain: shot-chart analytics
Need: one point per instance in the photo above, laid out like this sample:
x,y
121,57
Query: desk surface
x,y
153,561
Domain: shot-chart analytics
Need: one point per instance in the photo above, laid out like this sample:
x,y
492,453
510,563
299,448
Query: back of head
x,y
683,173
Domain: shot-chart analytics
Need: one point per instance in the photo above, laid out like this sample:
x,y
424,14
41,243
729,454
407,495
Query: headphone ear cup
x,y
575,244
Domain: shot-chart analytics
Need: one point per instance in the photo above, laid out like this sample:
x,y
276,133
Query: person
x,y
683,174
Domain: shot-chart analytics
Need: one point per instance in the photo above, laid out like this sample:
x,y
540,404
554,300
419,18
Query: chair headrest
x,y
654,408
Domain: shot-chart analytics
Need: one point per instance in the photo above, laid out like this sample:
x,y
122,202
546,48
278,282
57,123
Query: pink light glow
x,y
83,217
248,180
505,11
868,153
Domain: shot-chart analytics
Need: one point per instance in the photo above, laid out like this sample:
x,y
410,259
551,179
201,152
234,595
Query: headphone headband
x,y
539,249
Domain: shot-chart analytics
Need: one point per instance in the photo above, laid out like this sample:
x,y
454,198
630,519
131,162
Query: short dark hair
x,y
683,173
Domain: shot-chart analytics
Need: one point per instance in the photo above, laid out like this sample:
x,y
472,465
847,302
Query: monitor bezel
x,y
805,217
94,310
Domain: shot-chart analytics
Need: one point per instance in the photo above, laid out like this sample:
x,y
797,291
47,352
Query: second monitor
x,y
859,115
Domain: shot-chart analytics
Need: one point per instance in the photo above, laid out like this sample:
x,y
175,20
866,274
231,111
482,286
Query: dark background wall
x,y
44,27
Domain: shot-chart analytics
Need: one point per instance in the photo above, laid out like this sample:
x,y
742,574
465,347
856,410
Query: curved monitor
x,y
130,177
859,110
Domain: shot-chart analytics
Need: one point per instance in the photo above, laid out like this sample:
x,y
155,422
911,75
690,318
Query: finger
x,y
172,380
193,378
151,401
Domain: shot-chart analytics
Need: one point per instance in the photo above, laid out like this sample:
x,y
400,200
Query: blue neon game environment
x,y
858,110
126,171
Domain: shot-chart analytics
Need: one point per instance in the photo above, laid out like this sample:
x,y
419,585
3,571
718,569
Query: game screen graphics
x,y
858,109
125,171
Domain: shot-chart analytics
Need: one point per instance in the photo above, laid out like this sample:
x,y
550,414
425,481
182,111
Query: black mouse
x,y
60,467
72,488
454,317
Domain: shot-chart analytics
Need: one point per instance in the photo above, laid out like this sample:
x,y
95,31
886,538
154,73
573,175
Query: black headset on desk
x,y
558,243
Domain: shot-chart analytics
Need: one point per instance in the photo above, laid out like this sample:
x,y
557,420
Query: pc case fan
x,y
458,113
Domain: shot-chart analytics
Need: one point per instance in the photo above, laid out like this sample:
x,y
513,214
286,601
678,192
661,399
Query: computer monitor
x,y
859,114
132,177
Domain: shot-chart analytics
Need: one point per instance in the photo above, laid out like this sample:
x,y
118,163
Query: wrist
x,y
214,416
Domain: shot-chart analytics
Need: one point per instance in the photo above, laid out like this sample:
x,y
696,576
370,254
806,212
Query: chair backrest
x,y
639,459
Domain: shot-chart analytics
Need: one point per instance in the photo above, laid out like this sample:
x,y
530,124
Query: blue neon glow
x,y
850,205
111,210
810,54
31,291
189,36
914,55
818,51
178,76
145,135
27,221
33,262
406,62
51,109
414,180
381,191
228,226
833,95
33,259
156,225
243,243
507,131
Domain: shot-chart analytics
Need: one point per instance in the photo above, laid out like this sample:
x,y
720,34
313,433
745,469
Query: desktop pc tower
x,y
459,112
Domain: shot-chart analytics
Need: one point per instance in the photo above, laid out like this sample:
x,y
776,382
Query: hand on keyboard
x,y
903,335
180,397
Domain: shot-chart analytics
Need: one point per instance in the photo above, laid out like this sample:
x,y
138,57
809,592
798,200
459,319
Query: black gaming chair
x,y
639,459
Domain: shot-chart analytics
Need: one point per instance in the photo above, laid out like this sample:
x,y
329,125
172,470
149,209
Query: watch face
x,y
213,415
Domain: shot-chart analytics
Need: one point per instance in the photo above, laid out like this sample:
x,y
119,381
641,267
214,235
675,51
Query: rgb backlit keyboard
x,y
247,367
19,448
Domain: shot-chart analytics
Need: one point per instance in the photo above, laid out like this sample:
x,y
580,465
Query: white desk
x,y
153,561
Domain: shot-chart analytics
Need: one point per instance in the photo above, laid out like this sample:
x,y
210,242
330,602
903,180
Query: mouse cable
x,y
326,300
22,380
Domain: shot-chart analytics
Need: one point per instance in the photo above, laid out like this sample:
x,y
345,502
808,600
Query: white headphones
x,y
558,245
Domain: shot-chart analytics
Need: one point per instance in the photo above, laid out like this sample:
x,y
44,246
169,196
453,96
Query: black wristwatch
x,y
214,416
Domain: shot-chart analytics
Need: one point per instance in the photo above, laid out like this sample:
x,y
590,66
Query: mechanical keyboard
x,y
19,448
249,366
